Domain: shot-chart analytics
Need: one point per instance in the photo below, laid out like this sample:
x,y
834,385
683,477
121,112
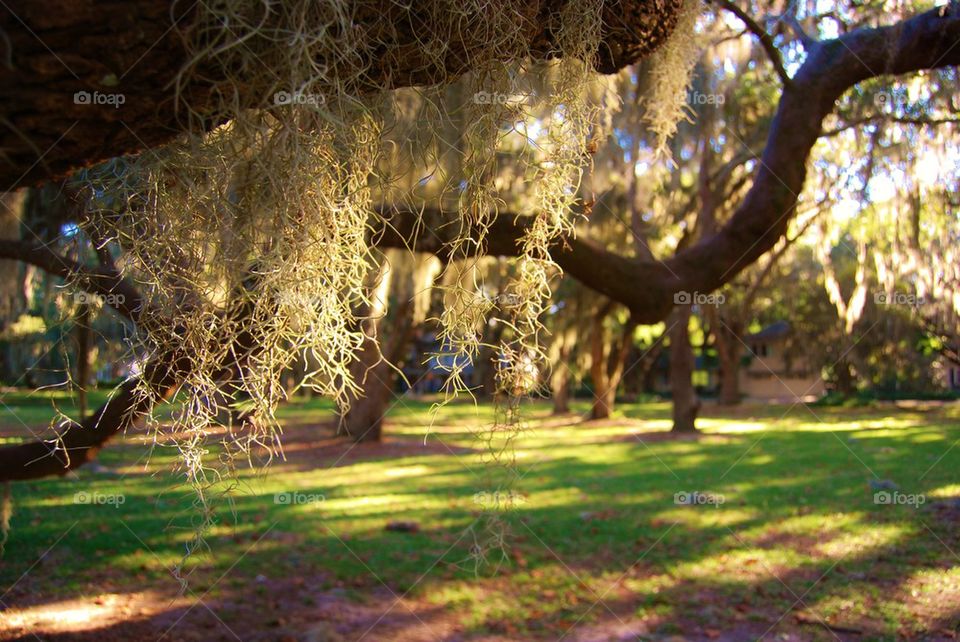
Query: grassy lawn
x,y
783,537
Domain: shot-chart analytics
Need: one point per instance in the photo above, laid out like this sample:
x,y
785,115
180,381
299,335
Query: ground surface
x,y
595,545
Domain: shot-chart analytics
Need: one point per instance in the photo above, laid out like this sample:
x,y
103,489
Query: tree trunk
x,y
373,369
604,399
846,382
604,394
729,352
560,390
84,334
560,351
363,422
686,405
606,367
484,370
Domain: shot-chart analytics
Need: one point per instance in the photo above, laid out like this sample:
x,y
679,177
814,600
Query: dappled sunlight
x,y
91,613
863,542
592,511
709,516
947,491
406,471
728,426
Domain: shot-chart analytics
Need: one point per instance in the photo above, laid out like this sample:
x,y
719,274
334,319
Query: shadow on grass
x,y
598,543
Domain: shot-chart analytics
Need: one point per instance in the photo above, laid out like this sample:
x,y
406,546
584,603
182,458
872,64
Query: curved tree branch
x,y
927,41
78,443
766,40
103,281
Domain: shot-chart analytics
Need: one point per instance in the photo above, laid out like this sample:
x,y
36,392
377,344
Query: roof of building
x,y
772,331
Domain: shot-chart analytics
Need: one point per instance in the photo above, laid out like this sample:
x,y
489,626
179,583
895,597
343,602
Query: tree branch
x,y
766,40
137,48
78,443
920,122
104,281
926,41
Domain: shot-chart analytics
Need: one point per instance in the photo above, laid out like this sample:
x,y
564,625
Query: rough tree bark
x,y
686,405
729,350
373,369
53,49
607,363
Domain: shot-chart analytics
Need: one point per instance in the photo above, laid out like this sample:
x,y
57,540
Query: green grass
x,y
596,518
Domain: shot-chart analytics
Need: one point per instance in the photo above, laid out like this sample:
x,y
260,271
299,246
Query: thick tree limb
x,y
927,41
78,443
432,230
52,49
103,280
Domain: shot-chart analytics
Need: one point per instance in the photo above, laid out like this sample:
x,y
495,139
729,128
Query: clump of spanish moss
x,y
671,67
251,242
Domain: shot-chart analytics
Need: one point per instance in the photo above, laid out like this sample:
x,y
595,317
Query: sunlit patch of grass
x,y
945,491
596,516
